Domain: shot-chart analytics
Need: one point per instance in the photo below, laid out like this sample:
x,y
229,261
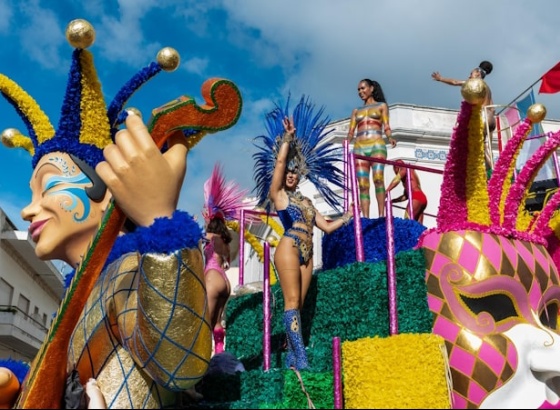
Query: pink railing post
x,y
266,306
337,374
358,235
346,172
409,190
241,246
391,273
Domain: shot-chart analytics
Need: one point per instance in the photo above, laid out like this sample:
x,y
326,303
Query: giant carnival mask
x,y
492,276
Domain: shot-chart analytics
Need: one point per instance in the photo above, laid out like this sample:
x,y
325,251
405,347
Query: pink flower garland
x,y
453,206
518,191
499,183
543,220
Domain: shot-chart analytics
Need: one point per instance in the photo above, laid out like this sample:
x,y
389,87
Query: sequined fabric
x,y
300,211
144,333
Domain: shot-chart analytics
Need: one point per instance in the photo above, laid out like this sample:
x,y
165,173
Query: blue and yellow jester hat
x,y
86,125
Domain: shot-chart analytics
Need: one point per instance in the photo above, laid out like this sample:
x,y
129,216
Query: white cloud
x,y
326,47
122,37
42,35
196,65
6,12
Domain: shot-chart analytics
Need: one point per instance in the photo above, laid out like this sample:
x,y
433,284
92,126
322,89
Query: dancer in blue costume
x,y
289,158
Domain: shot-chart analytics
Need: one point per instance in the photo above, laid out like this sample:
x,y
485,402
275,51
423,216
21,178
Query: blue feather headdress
x,y
314,158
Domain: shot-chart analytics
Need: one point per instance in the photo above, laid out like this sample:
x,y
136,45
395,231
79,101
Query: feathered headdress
x,y
223,199
312,156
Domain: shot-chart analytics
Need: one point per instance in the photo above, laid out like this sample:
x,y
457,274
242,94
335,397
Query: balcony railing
x,y
21,331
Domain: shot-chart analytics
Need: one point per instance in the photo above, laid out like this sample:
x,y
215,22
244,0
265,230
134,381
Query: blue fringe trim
x,y
19,367
165,235
339,247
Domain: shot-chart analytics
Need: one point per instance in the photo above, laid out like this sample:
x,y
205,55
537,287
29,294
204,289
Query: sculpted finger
x,y
124,140
139,131
114,157
176,155
105,172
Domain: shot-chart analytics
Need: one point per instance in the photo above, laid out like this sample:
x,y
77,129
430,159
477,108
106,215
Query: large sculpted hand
x,y
144,182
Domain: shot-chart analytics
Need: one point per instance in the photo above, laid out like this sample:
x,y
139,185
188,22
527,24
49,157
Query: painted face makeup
x,y
63,218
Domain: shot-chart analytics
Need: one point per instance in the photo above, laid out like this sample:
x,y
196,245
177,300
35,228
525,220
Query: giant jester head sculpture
x,y
493,286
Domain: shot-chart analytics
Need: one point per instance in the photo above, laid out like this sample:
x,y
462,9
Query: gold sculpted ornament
x,y
80,33
536,112
474,91
168,58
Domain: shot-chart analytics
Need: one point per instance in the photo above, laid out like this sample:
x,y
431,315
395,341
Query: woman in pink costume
x,y
222,203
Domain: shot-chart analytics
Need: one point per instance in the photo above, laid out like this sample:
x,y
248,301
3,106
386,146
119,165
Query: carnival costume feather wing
x,y
315,158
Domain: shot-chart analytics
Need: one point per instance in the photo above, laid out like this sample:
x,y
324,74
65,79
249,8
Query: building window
x,y
44,321
36,316
23,305
6,293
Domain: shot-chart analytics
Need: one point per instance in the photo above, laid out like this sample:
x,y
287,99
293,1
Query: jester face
x,y
495,301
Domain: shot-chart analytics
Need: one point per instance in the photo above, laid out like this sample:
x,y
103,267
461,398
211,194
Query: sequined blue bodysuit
x,y
301,211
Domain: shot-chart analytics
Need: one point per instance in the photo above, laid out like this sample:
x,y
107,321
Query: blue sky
x,y
321,48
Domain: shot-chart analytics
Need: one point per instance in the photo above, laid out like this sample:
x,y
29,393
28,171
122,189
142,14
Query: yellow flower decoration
x,y
276,227
478,201
256,245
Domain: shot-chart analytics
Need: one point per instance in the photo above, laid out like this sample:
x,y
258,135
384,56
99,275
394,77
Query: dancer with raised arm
x,y
295,148
489,111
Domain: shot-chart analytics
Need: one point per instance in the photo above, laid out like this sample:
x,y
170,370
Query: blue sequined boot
x,y
290,357
297,356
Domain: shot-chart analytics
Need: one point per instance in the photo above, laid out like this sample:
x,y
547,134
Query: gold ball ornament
x,y
271,239
536,113
168,58
7,136
474,91
80,33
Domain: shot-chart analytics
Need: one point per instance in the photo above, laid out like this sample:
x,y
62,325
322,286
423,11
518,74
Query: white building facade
x,y
30,294
423,135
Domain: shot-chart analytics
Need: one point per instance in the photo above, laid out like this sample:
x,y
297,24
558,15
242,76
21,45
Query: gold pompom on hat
x,y
86,125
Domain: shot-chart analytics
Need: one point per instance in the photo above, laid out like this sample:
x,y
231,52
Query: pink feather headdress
x,y
223,199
